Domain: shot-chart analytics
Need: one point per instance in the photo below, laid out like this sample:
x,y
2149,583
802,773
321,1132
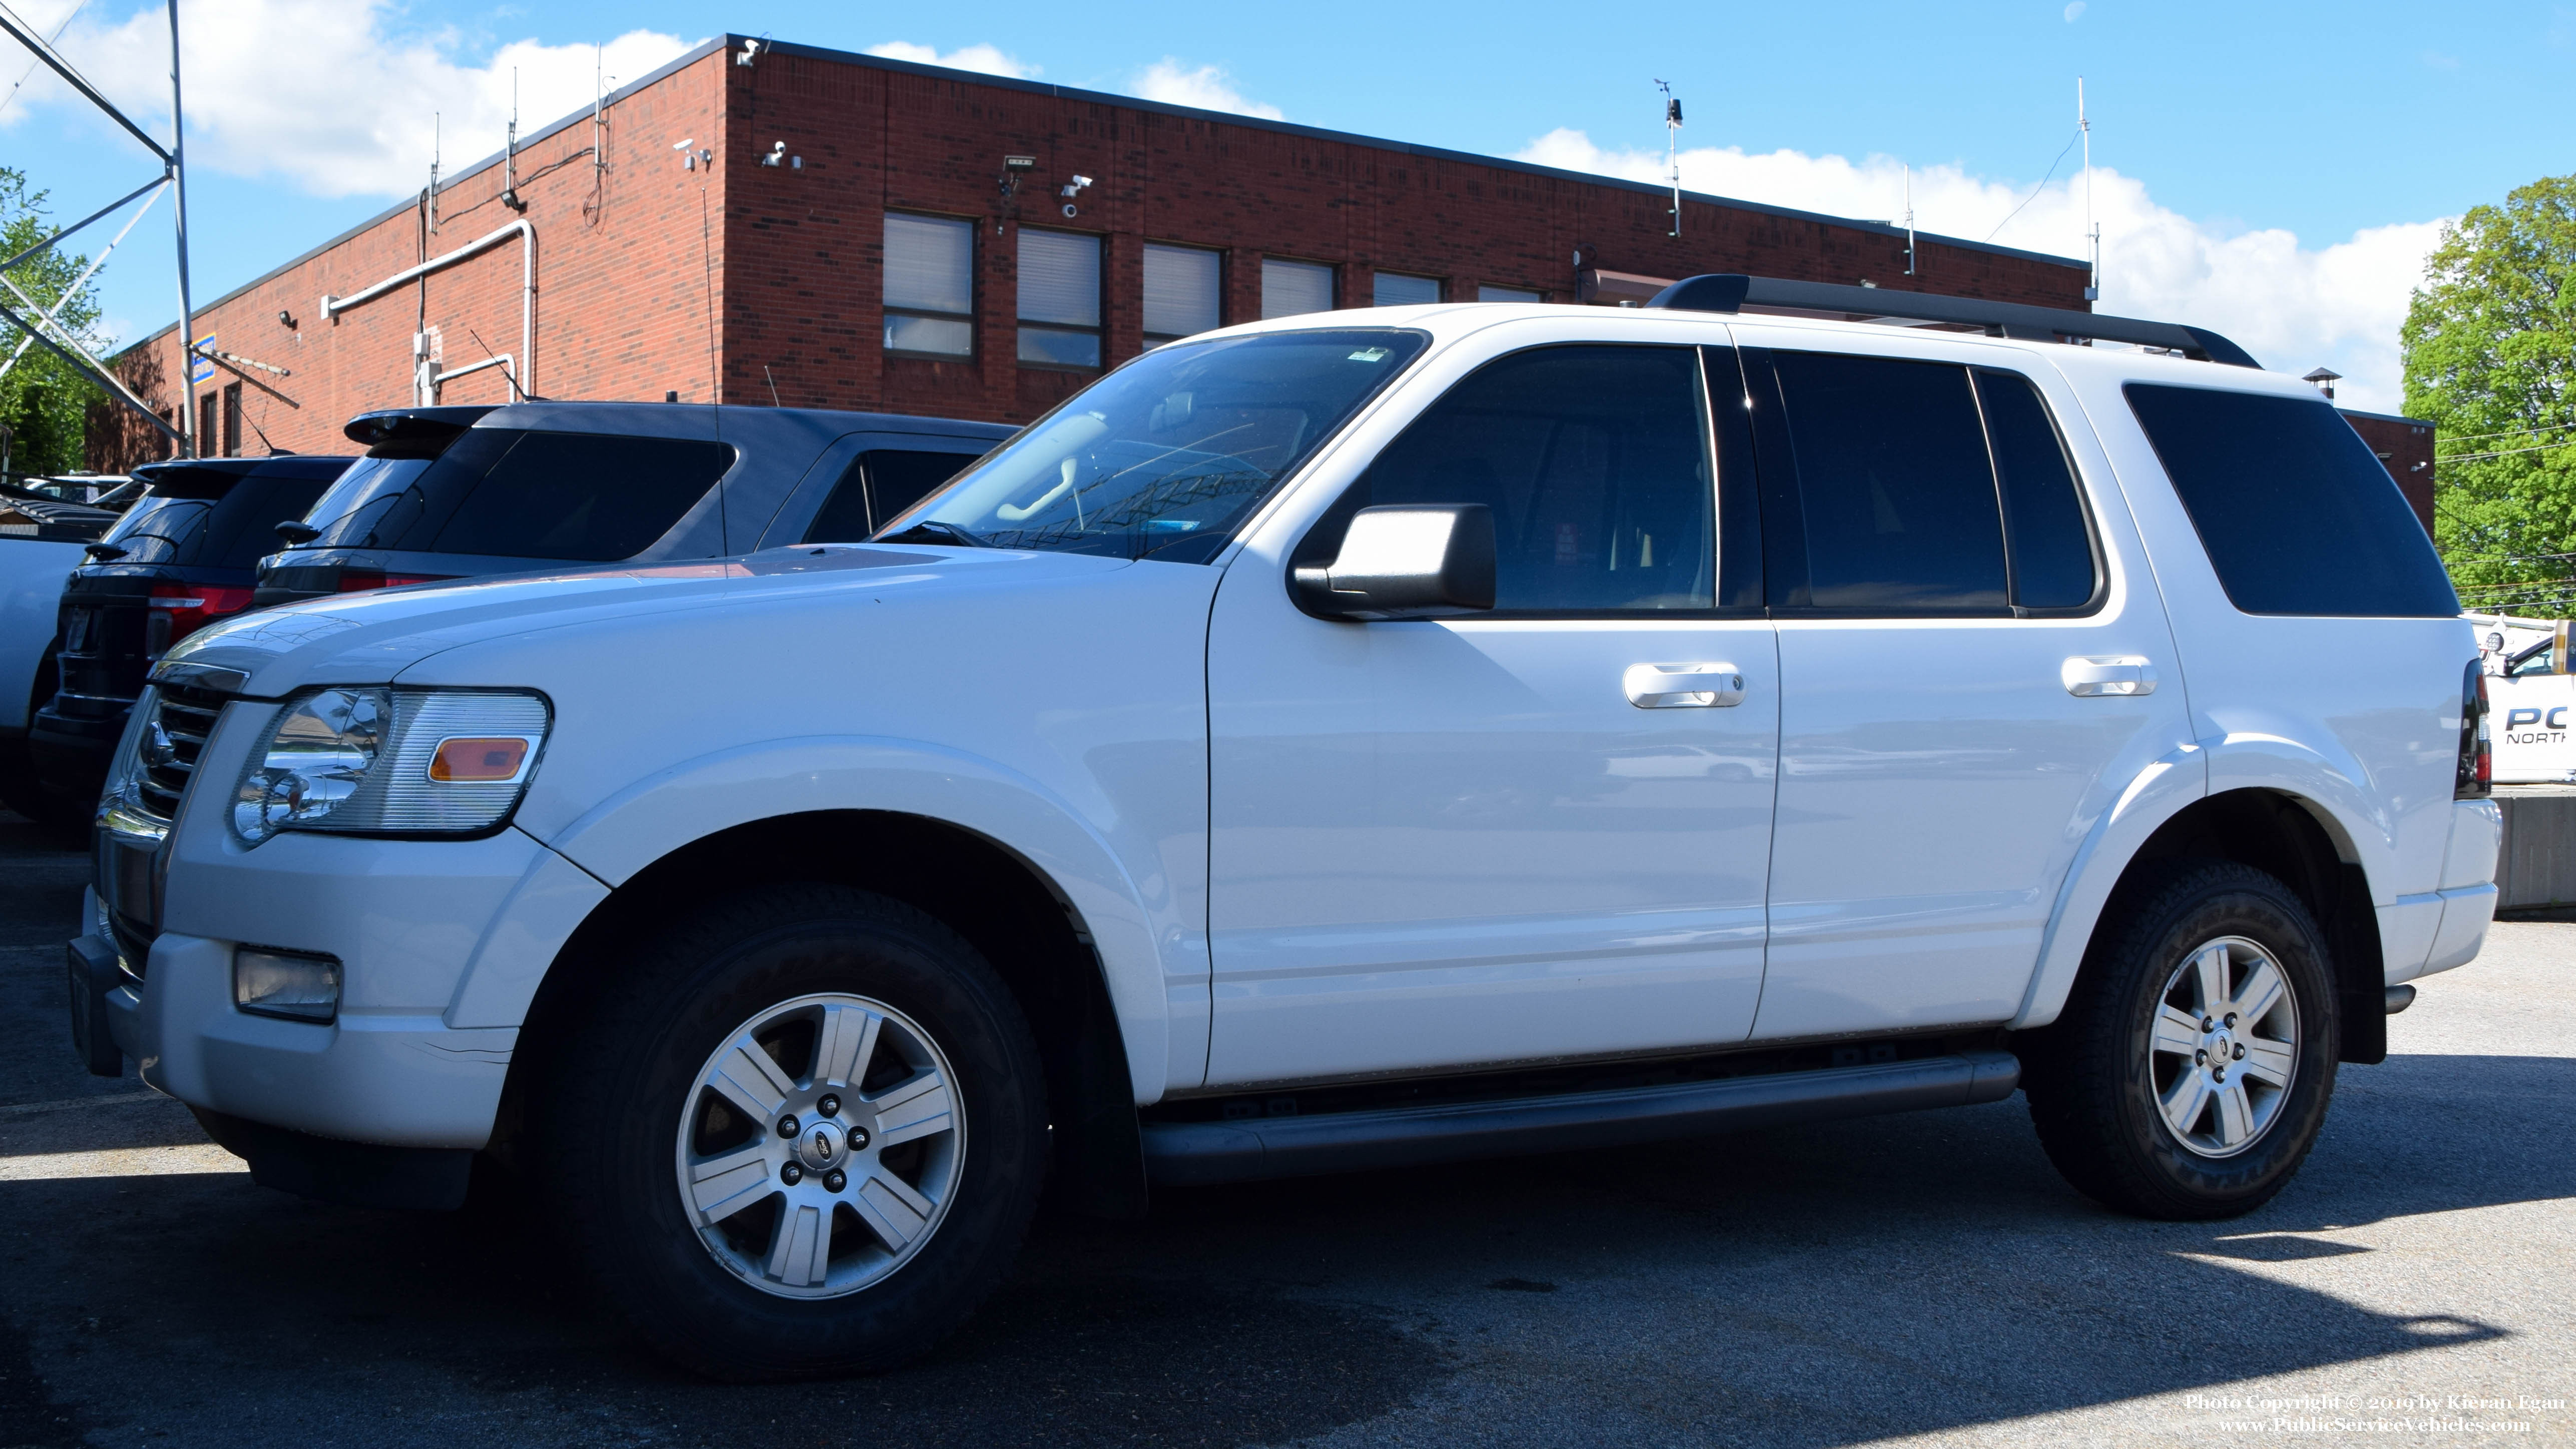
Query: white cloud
x,y
1208,87
2075,12
319,92
988,59
2292,306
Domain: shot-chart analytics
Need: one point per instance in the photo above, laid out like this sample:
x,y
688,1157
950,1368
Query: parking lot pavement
x,y
1924,1278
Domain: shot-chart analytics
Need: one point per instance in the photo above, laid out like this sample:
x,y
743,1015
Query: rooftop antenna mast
x,y
510,151
1909,219
1672,149
2092,228
433,172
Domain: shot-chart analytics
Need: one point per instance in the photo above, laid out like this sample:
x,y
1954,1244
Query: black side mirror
x,y
105,552
1406,561
295,531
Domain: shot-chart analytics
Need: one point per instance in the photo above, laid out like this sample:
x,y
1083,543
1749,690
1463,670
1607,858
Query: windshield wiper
x,y
931,530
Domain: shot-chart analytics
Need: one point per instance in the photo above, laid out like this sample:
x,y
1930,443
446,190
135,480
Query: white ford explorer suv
x,y
1339,741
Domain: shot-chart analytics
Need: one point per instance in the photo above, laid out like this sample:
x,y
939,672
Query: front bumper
x,y
395,1078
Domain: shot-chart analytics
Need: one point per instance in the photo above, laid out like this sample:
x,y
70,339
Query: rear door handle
x,y
1684,686
2094,676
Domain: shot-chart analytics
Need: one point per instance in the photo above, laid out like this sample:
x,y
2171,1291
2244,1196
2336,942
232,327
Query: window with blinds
x,y
1508,294
1394,289
1059,299
929,286
1288,288
1180,292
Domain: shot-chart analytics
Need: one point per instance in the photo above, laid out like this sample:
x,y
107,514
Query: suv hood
x,y
372,637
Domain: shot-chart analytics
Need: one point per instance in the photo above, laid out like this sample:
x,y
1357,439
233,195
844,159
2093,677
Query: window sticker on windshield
x,y
1369,354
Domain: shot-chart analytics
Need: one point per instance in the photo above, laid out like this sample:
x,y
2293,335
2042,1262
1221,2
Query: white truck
x,y
1329,742
2533,695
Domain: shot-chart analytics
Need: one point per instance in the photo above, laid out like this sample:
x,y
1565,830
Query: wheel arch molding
x,y
2298,836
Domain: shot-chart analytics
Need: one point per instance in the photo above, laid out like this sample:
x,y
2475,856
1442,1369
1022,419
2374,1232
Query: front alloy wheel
x,y
821,1146
801,1132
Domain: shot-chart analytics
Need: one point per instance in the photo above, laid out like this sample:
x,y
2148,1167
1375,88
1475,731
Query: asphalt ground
x,y
1923,1279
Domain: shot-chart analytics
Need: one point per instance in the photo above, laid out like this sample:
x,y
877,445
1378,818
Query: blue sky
x,y
2277,169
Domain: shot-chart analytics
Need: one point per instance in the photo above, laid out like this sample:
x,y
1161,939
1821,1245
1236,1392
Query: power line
x,y
2042,186
2511,432
2499,453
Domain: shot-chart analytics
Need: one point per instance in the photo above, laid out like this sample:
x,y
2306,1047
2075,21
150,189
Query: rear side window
x,y
1595,463
2297,516
2046,534
595,497
1893,489
879,484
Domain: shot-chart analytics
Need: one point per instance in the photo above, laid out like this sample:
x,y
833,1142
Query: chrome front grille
x,y
172,739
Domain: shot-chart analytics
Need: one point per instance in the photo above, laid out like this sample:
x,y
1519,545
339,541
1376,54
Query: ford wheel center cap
x,y
821,1147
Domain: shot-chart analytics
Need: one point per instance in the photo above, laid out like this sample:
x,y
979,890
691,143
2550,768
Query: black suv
x,y
448,492
184,555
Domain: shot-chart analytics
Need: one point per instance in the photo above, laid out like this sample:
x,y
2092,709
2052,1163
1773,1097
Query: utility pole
x,y
190,445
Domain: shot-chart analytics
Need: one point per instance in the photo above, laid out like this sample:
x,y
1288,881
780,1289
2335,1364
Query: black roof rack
x,y
1734,292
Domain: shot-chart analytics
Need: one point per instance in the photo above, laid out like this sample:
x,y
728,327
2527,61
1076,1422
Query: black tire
x,y
2092,1082
64,820
606,1112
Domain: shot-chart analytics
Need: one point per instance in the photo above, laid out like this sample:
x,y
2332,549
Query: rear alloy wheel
x,y
2189,1074
801,1134
2224,1049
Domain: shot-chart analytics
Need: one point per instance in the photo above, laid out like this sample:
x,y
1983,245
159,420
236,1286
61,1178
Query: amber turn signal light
x,y
478,760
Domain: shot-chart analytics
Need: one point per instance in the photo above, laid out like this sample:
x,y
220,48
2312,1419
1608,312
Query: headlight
x,y
391,762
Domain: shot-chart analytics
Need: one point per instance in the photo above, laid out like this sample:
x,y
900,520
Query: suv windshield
x,y
1165,455
517,494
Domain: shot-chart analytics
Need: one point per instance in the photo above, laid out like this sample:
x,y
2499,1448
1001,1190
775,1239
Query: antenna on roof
x,y
433,173
1672,148
1909,219
2092,228
510,151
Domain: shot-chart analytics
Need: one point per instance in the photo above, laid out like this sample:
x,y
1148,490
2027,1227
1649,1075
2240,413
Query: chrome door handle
x,y
1684,686
2094,676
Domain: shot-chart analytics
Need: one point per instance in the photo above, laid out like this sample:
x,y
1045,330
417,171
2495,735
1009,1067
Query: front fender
x,y
1154,966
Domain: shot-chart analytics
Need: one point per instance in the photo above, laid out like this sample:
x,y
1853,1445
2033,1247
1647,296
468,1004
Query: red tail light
x,y
179,610
2476,774
359,581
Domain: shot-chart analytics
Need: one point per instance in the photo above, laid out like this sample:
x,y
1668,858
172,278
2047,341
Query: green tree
x,y
42,400
2490,353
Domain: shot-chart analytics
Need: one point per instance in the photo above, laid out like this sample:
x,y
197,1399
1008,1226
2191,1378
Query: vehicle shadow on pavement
x,y
1821,1286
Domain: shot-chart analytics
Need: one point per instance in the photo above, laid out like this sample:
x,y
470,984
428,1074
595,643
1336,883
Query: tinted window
x,y
1595,463
349,510
1163,456
1894,489
2296,514
244,527
159,529
2044,523
589,496
878,485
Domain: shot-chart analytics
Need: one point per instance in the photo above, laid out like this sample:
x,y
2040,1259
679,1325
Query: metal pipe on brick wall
x,y
526,232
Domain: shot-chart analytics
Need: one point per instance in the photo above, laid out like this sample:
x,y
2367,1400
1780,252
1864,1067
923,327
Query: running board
x,y
1190,1154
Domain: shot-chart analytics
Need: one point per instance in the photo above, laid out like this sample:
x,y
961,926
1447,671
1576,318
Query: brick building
x,y
835,230
722,229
